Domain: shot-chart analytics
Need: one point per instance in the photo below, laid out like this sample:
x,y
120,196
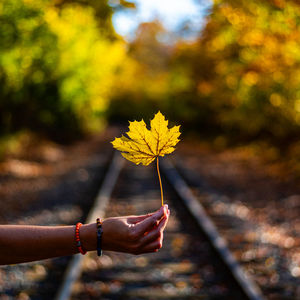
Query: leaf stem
x,y
161,189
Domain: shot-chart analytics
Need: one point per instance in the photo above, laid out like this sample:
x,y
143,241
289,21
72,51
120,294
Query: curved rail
x,y
74,269
73,272
250,289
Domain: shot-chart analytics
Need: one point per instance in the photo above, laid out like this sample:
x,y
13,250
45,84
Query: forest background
x,y
66,73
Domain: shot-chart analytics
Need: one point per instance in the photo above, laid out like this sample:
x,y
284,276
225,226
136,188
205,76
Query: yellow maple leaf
x,y
144,146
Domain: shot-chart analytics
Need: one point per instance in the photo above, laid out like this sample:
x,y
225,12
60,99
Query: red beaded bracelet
x,y
77,239
99,236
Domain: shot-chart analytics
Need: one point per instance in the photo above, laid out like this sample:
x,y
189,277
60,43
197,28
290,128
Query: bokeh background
x,y
74,72
227,70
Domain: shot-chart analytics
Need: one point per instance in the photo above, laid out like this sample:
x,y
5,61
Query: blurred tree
x,y
245,68
28,52
56,68
103,10
148,47
88,62
62,66
143,77
239,78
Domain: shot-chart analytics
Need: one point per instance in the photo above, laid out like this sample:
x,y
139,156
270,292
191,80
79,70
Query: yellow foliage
x,y
144,145
88,64
250,78
297,105
275,99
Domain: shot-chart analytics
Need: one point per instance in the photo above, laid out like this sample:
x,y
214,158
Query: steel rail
x,y
73,270
250,289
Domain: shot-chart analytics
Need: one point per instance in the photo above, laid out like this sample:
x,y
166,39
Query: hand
x,y
135,234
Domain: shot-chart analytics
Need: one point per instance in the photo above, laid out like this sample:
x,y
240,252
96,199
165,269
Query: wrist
x,y
105,234
88,236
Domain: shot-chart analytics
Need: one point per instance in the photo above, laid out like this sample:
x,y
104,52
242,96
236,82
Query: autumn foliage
x,y
58,65
250,52
238,79
144,146
64,71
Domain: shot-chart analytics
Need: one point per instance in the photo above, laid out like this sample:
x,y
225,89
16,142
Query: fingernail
x,y
166,208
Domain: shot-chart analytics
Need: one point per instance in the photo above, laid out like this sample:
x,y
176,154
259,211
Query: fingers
x,y
153,220
164,222
146,233
137,219
152,247
156,233
135,234
154,240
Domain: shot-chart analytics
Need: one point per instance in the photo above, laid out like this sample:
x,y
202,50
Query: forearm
x,y
131,234
29,243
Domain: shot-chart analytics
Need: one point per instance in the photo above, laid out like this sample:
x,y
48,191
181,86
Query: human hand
x,y
135,234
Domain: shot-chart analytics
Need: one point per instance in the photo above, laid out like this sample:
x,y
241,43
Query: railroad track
x,y
194,262
187,267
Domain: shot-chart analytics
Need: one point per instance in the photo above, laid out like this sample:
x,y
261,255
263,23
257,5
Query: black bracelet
x,y
99,236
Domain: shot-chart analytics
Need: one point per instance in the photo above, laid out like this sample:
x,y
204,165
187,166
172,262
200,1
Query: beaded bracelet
x,y
99,236
77,238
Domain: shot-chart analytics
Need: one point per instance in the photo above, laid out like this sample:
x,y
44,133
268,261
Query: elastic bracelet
x,y
77,239
99,236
